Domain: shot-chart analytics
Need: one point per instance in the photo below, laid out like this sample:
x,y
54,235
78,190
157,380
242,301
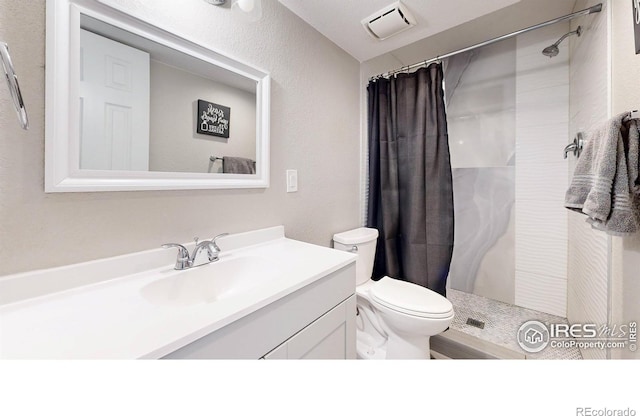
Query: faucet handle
x,y
181,249
183,260
214,239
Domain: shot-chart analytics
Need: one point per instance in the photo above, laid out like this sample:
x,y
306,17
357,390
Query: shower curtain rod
x,y
593,9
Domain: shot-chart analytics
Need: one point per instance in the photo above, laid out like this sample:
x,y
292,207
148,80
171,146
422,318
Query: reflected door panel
x,y
114,105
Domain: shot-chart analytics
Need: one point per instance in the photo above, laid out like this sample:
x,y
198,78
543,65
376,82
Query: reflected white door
x,y
114,105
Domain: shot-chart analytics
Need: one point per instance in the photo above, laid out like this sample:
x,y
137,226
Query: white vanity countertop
x,y
112,319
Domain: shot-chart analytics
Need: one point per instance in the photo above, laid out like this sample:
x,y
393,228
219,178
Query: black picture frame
x,y
213,119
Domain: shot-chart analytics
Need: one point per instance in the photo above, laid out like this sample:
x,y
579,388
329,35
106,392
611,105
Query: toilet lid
x,y
410,298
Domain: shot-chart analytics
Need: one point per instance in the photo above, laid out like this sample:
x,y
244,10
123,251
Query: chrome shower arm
x,y
578,32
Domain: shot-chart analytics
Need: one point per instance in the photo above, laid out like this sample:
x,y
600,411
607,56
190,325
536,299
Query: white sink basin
x,y
211,282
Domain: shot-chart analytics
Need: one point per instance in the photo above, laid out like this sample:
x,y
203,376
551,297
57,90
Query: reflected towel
x,y
232,164
605,183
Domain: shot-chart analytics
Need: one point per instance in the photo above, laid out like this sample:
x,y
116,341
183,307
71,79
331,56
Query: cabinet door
x,y
328,337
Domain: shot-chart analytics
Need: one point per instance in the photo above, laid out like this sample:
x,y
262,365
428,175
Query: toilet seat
x,y
410,299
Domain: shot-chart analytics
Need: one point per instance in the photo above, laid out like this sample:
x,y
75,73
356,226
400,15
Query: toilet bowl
x,y
395,318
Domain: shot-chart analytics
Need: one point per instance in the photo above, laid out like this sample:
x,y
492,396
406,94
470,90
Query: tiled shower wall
x,y
588,249
508,123
542,129
514,100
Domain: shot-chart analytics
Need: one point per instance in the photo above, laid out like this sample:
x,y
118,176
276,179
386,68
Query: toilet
x,y
395,319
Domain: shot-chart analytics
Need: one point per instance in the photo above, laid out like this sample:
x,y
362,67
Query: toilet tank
x,y
361,241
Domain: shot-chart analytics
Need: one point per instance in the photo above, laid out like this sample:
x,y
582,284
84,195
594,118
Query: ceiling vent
x,y
389,21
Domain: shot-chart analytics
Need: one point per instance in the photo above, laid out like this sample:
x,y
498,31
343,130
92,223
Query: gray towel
x,y
238,165
605,184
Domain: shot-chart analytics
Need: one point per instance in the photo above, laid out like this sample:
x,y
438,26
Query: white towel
x,y
605,183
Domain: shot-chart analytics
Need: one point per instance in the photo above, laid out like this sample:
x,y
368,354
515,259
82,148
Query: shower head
x,y
553,50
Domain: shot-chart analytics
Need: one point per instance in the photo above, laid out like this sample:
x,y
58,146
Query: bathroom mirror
x,y
131,106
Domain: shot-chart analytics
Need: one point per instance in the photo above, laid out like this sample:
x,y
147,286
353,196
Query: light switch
x,y
292,180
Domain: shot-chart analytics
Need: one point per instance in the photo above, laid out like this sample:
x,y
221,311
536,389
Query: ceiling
x,y
339,20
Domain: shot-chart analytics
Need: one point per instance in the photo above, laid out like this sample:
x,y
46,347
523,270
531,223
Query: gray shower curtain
x,y
410,186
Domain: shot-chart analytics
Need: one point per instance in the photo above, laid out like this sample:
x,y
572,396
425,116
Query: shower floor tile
x,y
501,323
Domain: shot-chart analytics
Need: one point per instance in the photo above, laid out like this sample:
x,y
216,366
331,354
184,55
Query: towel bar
x,y
14,87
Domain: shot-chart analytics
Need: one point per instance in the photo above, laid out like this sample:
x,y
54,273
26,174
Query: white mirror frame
x,y
62,133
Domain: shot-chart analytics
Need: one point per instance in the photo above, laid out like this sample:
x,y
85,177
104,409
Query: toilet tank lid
x,y
357,236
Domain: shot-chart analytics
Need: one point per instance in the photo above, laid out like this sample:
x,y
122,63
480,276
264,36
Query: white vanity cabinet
x,y
332,336
316,321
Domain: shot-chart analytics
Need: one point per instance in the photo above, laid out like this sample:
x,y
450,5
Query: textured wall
x,y
542,124
314,128
626,96
587,292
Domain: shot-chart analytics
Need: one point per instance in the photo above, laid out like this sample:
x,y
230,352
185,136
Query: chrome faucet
x,y
183,261
187,261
